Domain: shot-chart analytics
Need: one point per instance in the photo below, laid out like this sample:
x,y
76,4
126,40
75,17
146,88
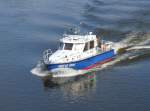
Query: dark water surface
x,y
27,27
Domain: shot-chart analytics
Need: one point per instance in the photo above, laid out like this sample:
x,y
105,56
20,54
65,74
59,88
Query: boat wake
x,y
132,47
137,45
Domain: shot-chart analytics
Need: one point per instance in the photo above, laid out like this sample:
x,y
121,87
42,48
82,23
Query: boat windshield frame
x,y
61,46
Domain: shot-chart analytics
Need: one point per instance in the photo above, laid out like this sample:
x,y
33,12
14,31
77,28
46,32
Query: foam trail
x,y
132,46
138,47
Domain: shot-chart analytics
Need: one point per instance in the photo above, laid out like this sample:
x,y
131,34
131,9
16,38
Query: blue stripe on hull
x,y
85,62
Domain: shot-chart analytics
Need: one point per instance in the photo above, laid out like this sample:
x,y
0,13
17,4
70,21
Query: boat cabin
x,y
78,43
76,47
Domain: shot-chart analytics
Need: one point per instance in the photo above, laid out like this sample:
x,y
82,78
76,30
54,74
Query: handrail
x,y
46,54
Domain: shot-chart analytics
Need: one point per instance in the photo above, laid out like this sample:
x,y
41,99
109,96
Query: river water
x,y
28,27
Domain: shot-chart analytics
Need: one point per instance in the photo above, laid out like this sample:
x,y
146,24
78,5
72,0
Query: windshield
x,y
61,46
68,46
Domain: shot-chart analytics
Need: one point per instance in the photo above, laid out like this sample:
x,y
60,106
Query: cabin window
x,y
86,47
68,46
91,44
